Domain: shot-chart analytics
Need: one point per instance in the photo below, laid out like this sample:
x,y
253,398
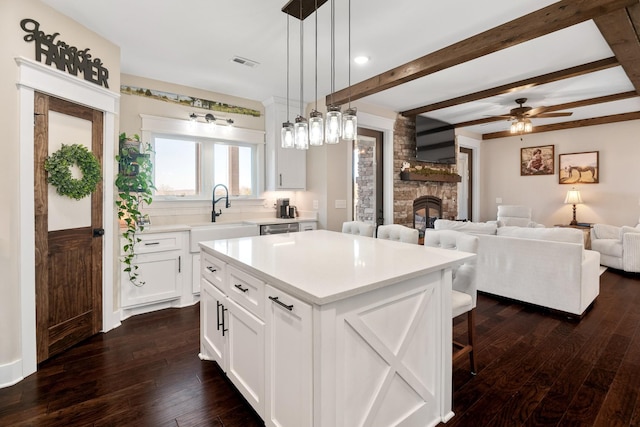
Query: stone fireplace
x,y
406,192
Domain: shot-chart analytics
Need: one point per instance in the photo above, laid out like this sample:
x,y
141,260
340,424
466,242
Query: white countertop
x,y
323,266
258,221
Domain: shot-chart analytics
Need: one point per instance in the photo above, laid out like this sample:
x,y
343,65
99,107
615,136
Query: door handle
x,y
98,232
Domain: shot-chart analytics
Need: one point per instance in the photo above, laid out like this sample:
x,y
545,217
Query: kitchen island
x,y
331,329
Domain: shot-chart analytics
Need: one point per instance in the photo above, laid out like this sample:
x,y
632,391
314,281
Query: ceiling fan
x,y
520,116
525,112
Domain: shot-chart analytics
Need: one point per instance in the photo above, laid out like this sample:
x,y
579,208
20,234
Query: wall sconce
x,y
209,118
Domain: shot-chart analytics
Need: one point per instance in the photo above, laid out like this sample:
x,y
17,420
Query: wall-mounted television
x,y
435,141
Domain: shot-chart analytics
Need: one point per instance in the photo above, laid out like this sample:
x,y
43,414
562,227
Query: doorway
x,y
465,187
68,232
367,190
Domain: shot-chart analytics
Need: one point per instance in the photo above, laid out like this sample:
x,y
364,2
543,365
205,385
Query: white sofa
x,y
548,267
619,247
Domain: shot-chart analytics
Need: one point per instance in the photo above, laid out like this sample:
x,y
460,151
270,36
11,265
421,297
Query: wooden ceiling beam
x,y
515,86
571,125
559,107
557,16
620,29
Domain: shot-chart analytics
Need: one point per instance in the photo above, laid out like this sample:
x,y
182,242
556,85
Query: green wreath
x,y
58,164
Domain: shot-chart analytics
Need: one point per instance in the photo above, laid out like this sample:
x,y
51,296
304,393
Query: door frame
x,y
34,76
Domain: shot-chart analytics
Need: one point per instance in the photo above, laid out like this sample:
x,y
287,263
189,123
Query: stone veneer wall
x,y
405,192
365,184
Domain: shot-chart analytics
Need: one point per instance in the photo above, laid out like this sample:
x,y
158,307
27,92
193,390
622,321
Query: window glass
x,y
175,167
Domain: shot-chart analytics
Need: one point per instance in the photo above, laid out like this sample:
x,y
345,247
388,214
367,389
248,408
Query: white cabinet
x,y
286,168
289,369
160,258
231,327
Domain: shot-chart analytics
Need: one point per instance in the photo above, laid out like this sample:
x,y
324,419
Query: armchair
x,y
516,215
619,247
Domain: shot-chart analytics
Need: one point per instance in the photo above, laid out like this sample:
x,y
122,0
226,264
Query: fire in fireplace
x,y
426,210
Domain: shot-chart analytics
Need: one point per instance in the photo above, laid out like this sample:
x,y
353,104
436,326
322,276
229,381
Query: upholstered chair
x,y
515,215
464,293
619,247
360,228
399,233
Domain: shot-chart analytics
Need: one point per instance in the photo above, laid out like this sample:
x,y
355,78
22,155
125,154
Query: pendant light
x,y
286,135
333,125
349,118
301,128
316,123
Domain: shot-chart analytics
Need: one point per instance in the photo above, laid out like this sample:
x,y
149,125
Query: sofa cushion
x,y
609,247
606,231
626,229
556,234
466,227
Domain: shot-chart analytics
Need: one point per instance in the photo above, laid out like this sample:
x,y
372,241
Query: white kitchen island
x,y
328,329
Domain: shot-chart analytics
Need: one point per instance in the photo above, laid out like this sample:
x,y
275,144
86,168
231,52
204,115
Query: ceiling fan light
x,y
513,129
528,126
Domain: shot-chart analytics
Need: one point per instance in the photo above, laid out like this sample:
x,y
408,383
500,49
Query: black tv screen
x,y
435,141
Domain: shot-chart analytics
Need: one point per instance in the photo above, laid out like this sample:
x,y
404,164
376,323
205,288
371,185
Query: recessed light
x,y
361,60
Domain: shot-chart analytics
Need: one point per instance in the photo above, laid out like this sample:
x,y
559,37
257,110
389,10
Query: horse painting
x,y
581,170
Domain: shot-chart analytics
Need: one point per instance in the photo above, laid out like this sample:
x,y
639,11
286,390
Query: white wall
x,y
613,201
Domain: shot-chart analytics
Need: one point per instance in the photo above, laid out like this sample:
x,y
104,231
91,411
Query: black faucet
x,y
214,214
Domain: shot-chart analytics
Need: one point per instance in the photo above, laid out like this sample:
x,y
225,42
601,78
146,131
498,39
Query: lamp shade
x,y
573,197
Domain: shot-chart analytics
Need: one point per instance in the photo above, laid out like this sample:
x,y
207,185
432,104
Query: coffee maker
x,y
282,208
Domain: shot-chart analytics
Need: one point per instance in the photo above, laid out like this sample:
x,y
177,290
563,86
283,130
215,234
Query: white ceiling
x,y
192,43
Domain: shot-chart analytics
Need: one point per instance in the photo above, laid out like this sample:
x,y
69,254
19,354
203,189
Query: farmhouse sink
x,y
202,233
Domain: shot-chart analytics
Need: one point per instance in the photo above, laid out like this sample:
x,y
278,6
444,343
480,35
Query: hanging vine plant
x,y
59,164
135,187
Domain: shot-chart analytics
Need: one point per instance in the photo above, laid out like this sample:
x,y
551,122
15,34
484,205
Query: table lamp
x,y
573,198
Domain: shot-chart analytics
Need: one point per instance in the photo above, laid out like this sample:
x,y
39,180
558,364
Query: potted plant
x,y
135,185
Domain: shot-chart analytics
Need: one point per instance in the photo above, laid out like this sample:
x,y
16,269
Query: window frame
x,y
206,136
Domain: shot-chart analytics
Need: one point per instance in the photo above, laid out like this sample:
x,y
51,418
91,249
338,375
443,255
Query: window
x,y
189,167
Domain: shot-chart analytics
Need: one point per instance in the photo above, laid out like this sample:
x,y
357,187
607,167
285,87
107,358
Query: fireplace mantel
x,y
410,176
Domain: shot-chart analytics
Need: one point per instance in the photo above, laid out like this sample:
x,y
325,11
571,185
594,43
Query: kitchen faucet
x,y
214,214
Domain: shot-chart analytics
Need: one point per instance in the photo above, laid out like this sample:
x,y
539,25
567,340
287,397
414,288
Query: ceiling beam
x,y
559,107
620,30
552,18
576,71
571,125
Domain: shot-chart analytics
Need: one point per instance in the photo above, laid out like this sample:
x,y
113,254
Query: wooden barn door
x,y
68,232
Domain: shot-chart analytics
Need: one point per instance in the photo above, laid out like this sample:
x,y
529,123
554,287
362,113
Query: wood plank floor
x,y
535,369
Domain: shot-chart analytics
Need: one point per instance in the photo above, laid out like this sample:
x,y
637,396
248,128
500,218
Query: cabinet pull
x,y
280,180
224,329
180,264
211,269
280,303
151,243
241,288
218,324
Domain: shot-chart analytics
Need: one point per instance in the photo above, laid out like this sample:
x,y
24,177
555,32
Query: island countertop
x,y
323,266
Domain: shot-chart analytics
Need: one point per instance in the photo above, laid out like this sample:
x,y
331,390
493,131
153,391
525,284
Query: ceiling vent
x,y
244,61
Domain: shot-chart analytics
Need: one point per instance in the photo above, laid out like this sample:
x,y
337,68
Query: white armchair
x,y
619,247
519,216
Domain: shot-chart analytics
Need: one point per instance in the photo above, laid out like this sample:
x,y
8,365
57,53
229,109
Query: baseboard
x,y
11,373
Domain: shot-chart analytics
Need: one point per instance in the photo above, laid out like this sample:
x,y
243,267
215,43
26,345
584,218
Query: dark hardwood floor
x,y
535,369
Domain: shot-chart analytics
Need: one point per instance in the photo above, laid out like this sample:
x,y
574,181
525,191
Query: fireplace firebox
x,y
426,210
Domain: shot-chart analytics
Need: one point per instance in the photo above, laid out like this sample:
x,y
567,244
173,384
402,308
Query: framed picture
x,y
536,160
579,168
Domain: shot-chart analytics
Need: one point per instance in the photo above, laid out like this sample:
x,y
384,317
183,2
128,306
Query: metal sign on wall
x,y
63,56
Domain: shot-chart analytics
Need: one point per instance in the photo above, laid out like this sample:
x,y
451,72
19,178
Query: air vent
x,y
245,61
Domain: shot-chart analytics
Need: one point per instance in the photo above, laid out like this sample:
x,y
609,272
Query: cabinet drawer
x,y
214,271
158,242
246,290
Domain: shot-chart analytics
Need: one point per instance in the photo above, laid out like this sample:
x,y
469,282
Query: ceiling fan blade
x,y
536,111
546,115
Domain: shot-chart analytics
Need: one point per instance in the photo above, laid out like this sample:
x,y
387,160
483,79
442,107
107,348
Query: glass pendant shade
x,y
528,127
316,128
287,137
301,131
350,124
333,126
521,126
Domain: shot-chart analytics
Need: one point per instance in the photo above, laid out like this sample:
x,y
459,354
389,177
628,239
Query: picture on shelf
x,y
579,168
536,160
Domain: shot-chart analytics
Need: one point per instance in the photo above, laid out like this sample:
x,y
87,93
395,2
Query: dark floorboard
x,y
536,368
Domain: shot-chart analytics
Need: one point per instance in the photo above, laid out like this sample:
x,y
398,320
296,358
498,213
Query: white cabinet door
x,y
245,355
213,324
308,226
195,278
289,377
162,276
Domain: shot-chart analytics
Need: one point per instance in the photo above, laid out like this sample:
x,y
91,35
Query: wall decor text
x,y
64,57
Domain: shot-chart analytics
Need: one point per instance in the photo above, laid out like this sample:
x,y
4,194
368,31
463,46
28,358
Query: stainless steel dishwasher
x,y
289,227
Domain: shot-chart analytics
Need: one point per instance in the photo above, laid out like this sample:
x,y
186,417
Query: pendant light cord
x,y
301,61
349,58
333,51
316,54
287,67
